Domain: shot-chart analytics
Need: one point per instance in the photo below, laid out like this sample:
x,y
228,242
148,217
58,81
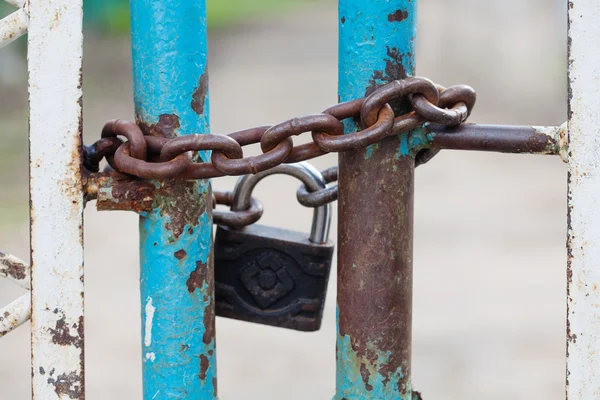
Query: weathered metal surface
x,y
117,192
164,157
16,3
19,311
583,269
13,27
499,138
377,39
15,270
270,275
56,195
15,314
177,283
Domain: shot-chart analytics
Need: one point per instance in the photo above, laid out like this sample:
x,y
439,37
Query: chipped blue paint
x,y
377,44
350,383
169,51
172,327
414,141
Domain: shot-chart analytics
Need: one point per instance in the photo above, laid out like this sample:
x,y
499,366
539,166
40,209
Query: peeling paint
x,y
55,50
398,16
373,359
15,314
118,192
15,270
170,96
167,126
149,316
180,254
200,94
13,27
67,385
583,220
65,335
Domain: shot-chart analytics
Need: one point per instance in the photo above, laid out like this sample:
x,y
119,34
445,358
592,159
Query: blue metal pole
x,y
169,50
376,186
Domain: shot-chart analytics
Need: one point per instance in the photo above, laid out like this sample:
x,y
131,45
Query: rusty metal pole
x,y
177,287
377,39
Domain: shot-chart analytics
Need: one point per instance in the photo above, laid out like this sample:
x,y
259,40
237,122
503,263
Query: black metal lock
x,y
270,275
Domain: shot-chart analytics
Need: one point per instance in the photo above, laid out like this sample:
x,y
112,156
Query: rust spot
x,y
180,254
398,16
363,271
394,70
204,364
42,371
184,347
209,311
186,211
197,277
364,373
214,382
199,95
119,192
165,127
68,385
343,21
13,269
61,334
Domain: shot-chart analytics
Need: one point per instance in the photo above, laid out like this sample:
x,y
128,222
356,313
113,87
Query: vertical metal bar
x,y
583,287
56,195
377,39
177,287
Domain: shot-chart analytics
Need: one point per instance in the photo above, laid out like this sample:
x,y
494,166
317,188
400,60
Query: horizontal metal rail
x,y
500,138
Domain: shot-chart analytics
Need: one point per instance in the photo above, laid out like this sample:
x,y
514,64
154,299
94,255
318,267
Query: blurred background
x,y
490,260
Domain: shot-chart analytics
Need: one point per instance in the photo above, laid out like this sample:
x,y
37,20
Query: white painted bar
x,y
583,304
56,194
15,270
16,3
13,27
15,314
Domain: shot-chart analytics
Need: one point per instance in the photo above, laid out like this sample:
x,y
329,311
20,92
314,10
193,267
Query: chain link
x,y
152,157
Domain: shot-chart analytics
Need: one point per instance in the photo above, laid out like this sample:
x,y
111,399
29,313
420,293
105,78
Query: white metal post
x,y
583,319
56,195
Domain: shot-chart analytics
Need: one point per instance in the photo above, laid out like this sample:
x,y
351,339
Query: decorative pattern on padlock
x,y
274,276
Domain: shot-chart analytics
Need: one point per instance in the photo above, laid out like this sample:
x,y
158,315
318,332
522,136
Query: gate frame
x,y
376,46
583,243
371,362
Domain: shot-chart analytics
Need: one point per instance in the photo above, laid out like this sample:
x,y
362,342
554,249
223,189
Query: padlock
x,y
269,275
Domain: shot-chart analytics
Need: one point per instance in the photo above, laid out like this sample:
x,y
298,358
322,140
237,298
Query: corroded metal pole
x,y
177,288
377,40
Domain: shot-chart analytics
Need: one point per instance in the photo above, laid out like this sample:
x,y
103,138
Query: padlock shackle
x,y
303,171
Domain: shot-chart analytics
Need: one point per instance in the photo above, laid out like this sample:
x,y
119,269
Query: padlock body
x,y
271,276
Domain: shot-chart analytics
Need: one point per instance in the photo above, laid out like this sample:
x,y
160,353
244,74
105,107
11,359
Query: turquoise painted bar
x,y
169,50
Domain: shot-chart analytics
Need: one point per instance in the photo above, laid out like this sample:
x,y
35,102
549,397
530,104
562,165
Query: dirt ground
x,y
490,260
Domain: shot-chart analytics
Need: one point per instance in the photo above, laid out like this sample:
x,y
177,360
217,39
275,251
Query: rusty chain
x,y
152,157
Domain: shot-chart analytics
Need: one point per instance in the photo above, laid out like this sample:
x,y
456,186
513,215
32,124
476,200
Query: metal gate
x,y
171,99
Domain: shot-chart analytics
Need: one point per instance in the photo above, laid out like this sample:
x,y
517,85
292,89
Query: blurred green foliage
x,y
112,16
